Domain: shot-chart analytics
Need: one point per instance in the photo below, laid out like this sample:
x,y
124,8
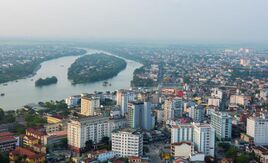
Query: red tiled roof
x,y
7,138
36,131
24,151
6,134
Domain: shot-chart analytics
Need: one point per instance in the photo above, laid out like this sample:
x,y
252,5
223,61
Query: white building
x,y
87,128
182,133
257,127
173,108
237,100
197,113
89,104
72,101
122,99
127,142
222,123
216,93
214,101
204,138
182,150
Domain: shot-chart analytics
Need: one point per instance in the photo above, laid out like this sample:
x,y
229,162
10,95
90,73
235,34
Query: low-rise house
x,y
7,142
23,154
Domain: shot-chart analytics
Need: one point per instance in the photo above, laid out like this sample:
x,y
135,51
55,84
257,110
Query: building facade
x,y
88,128
89,104
257,127
182,133
127,142
222,123
204,138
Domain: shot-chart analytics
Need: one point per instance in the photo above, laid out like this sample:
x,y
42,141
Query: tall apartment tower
x,y
222,123
89,104
173,108
140,115
197,113
135,114
204,138
257,127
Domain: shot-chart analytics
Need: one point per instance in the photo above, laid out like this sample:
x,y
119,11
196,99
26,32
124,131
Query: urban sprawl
x,y
185,105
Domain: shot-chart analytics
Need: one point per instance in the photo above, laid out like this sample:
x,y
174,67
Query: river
x,y
23,91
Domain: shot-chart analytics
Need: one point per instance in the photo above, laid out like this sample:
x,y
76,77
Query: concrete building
x,y
127,142
122,101
87,128
217,93
173,108
182,149
140,115
214,101
222,123
197,113
116,124
204,138
257,127
73,101
237,100
89,104
182,133
147,116
135,114
7,142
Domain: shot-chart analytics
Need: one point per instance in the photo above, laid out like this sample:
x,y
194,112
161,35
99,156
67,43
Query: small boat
x,y
105,83
5,84
2,94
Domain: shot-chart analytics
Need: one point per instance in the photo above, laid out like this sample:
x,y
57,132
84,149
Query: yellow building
x,y
89,104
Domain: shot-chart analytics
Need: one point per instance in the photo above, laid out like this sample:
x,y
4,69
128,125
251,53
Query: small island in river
x,y
47,81
95,67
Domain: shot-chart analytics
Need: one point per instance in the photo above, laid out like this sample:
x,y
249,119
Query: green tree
x,y
242,158
105,140
89,145
2,114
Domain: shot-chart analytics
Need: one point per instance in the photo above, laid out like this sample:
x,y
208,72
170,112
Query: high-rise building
x,y
135,114
182,133
257,127
79,131
222,123
173,108
140,115
204,138
122,101
197,113
89,104
127,142
147,116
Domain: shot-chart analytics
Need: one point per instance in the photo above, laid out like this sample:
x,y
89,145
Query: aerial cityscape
x,y
143,96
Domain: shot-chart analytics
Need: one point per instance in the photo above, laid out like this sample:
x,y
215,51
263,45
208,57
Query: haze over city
x,y
189,20
133,81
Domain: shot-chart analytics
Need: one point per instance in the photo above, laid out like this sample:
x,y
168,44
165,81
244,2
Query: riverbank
x,y
22,71
27,92
95,67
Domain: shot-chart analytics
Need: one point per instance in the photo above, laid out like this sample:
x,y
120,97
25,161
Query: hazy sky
x,y
218,20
